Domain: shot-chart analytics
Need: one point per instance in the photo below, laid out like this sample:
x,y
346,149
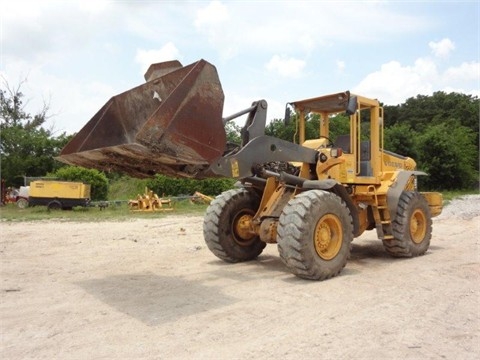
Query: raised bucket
x,y
170,125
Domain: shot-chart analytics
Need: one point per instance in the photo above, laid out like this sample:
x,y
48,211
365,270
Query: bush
x,y
164,185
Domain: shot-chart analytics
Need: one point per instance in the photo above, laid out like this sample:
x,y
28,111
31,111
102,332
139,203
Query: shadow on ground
x,y
155,299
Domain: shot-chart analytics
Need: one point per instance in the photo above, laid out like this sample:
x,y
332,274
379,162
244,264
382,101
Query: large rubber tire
x,y
222,226
412,227
314,235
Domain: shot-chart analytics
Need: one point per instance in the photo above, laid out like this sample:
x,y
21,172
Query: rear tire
x,y
226,226
54,205
412,227
314,235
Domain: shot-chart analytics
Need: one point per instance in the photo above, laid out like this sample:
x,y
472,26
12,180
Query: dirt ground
x,y
150,289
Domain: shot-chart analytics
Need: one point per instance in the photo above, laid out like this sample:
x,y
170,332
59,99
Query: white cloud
x,y
286,67
237,100
467,71
442,48
147,57
71,104
234,29
27,10
80,53
213,21
394,82
215,13
93,7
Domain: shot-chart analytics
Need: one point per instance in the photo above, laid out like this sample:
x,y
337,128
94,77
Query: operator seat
x,y
343,141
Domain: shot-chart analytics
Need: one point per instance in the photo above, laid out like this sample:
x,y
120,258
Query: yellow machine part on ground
x,y
149,201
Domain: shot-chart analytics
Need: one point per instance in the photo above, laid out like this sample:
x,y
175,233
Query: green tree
x,y
289,131
26,147
277,128
441,132
424,110
339,124
447,152
400,139
233,132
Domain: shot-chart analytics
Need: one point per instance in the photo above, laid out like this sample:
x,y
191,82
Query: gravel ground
x,y
465,207
150,289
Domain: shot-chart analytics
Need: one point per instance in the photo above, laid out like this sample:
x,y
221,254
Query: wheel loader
x,y
311,199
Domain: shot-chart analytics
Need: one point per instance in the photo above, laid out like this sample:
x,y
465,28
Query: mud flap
x,y
396,189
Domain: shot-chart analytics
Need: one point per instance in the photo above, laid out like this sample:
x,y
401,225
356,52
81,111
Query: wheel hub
x,y
243,229
324,237
328,237
418,226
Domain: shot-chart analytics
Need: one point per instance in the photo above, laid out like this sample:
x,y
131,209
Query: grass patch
x,y
117,212
126,188
452,194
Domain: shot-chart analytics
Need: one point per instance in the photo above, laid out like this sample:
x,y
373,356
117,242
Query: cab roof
x,y
332,103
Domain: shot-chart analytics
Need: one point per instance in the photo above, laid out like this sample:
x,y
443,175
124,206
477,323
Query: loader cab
x,y
353,157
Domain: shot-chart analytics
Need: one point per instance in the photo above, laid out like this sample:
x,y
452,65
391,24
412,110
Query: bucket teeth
x,y
171,125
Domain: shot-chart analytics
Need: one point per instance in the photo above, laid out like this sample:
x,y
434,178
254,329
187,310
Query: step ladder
x,y
381,214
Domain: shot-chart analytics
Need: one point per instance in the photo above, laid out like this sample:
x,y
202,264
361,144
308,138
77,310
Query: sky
x,y
75,55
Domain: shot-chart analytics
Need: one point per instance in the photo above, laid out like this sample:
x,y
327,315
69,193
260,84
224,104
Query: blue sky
x,y
75,55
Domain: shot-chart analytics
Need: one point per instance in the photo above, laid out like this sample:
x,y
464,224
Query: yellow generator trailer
x,y
58,194
312,198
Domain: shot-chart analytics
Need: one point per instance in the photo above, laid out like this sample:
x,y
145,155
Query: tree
x,y
289,130
400,139
447,152
424,110
233,132
26,147
441,132
277,128
339,124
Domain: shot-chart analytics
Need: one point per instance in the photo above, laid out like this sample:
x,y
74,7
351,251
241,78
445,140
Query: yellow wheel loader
x,y
311,198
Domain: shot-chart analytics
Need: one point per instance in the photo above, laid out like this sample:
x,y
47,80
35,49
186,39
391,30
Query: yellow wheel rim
x,y
243,229
418,226
328,236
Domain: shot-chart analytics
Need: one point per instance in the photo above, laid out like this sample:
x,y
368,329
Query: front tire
x,y
227,226
22,203
314,235
412,227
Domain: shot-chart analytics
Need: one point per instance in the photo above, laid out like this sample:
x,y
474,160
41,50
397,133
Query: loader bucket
x,y
170,125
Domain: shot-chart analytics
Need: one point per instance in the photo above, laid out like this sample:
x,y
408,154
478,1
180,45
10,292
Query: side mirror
x,y
352,105
288,114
